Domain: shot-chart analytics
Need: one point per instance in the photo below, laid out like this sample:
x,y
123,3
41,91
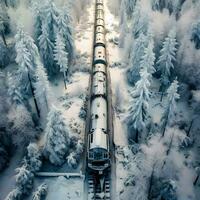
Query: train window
x,y
91,138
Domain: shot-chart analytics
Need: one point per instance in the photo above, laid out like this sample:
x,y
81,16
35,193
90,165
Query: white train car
x,y
99,87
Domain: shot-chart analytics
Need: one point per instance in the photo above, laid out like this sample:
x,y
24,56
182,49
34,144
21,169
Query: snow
x,y
65,189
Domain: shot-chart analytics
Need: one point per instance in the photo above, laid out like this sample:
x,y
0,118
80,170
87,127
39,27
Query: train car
x,y
100,7
99,2
100,40
100,14
100,22
99,85
99,68
98,151
100,29
98,118
99,55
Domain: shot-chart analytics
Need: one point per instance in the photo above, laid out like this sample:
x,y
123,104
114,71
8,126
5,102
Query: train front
x,y
98,154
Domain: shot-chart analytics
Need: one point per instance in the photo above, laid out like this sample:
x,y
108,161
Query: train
x,y
98,146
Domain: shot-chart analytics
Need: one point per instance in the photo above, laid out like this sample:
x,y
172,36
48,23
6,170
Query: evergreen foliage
x,y
172,97
56,138
41,192
34,157
138,112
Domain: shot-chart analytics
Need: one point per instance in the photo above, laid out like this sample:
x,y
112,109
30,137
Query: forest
x,y
154,63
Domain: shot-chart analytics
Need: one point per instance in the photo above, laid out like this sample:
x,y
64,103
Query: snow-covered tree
x,y
38,19
172,97
61,57
71,160
64,21
129,7
41,192
14,194
148,59
42,90
56,137
24,179
140,22
14,91
138,111
27,59
2,28
79,147
166,60
137,53
50,13
34,157
12,3
4,156
195,35
164,189
46,50
21,125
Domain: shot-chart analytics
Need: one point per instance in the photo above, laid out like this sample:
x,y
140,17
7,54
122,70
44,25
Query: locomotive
x,y
98,153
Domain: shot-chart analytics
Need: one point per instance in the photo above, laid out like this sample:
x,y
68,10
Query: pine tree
x,y
56,138
41,192
195,35
24,179
138,111
46,50
137,53
12,3
172,97
71,160
42,90
38,19
140,22
60,56
34,157
129,6
64,21
14,194
148,59
14,91
167,59
2,29
26,58
50,13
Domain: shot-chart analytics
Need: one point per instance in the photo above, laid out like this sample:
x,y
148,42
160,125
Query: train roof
x,y
99,139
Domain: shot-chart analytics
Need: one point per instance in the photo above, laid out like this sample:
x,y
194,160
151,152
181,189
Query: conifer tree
x,y
137,53
64,22
14,91
56,137
24,179
61,57
138,111
46,50
148,59
34,157
41,192
195,35
42,90
26,58
172,97
167,59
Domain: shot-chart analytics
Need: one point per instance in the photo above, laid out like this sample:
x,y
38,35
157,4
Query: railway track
x,y
99,123
99,189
